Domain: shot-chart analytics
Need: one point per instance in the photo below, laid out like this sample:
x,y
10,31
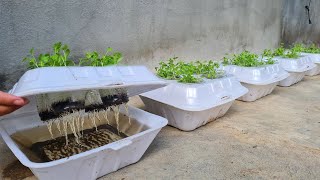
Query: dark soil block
x,y
113,100
69,106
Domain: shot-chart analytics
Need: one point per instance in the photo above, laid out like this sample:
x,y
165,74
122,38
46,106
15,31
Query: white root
x,y
96,115
91,117
105,113
76,119
127,111
57,122
65,129
71,122
49,125
78,126
82,123
116,115
93,97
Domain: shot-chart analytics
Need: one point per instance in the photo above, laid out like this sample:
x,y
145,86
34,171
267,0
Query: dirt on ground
x,y
16,171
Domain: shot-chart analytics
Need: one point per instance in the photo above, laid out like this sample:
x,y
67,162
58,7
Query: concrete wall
x,y
295,22
146,31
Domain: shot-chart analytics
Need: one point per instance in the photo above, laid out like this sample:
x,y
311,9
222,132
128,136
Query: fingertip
x,y
26,101
19,102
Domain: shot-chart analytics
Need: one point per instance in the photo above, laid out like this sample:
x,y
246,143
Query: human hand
x,y
10,103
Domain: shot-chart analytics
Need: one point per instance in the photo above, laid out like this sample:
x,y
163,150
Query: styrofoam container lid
x,y
314,57
200,96
301,64
261,75
137,79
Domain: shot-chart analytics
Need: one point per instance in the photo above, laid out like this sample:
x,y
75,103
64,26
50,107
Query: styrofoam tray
x,y
99,161
296,67
189,106
315,59
314,71
294,78
257,91
91,164
260,81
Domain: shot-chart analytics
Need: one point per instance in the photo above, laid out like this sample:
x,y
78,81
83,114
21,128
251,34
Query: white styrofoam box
x,y
315,59
260,81
257,91
189,106
301,64
314,71
296,67
99,161
91,164
136,79
294,78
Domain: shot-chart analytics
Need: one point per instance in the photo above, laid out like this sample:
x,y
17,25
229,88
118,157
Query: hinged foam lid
x,y
260,75
313,56
136,79
199,96
300,64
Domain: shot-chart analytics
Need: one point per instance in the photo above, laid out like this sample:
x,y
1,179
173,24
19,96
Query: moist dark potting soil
x,y
57,149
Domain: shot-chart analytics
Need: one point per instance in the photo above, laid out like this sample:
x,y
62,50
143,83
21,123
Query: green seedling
x,y
94,59
245,59
192,72
267,53
292,54
307,49
209,69
279,51
298,47
268,56
59,57
312,49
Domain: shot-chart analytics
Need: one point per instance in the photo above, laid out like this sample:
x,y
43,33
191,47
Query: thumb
x,y
11,100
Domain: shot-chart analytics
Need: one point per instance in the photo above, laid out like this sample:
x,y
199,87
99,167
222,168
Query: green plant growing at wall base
x,y
59,57
94,59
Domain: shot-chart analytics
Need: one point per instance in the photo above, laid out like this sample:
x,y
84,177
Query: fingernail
x,y
26,101
18,102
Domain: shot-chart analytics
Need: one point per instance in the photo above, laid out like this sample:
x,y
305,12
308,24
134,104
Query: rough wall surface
x,y
145,31
295,22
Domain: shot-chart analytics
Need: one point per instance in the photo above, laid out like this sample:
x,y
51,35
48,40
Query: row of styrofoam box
x,y
186,107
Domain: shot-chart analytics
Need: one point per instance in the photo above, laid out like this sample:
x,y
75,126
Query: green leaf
x,y
56,58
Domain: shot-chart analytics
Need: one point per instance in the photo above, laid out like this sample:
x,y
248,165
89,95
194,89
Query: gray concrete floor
x,y
277,137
